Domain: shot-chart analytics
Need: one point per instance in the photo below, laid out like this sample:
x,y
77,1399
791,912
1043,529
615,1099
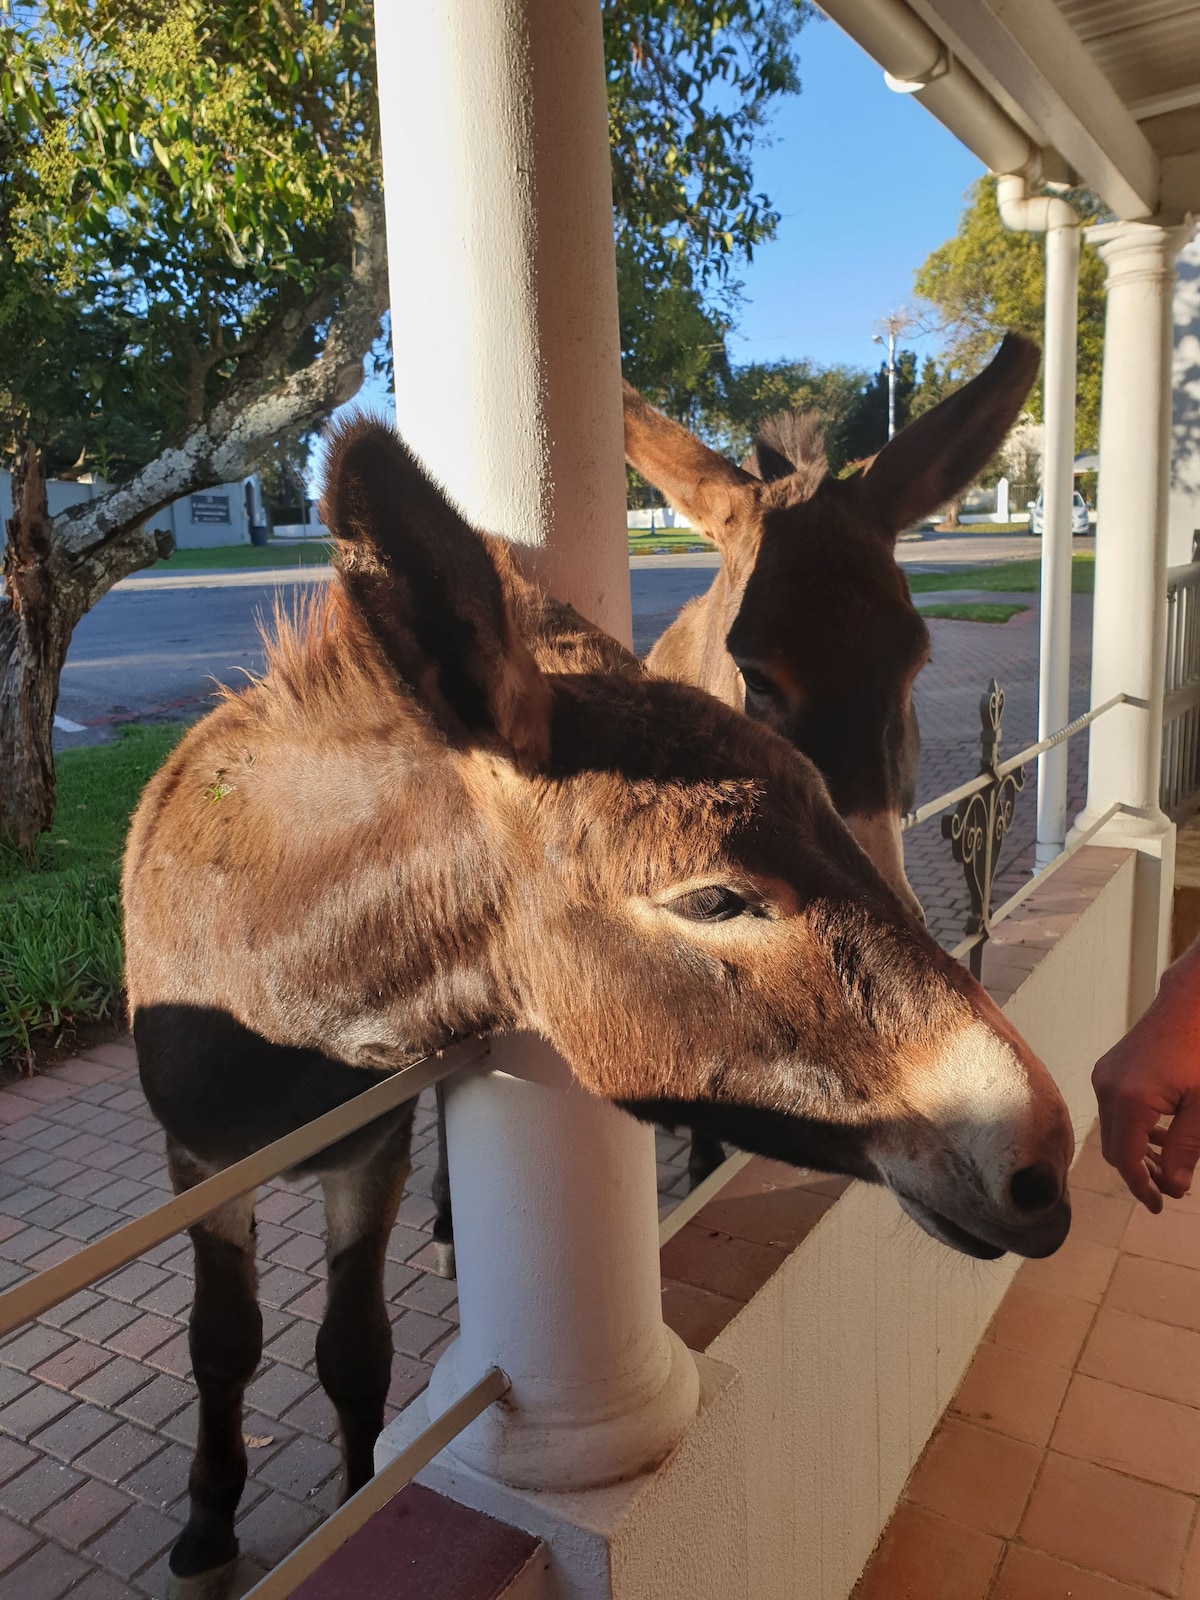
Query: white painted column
x,y
1129,623
1058,487
504,328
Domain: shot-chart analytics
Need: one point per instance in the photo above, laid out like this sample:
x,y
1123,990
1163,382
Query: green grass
x,y
1008,577
973,611
60,921
647,542
292,553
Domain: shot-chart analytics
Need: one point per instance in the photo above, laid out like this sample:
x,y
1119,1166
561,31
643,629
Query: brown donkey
x,y
408,831
808,625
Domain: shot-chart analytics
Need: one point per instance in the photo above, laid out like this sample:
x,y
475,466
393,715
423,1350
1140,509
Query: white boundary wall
x,y
852,1351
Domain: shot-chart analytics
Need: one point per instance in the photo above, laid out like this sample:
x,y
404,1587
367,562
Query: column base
x,y
572,1449
1137,828
677,1530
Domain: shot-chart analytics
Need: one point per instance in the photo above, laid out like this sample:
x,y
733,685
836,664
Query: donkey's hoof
x,y
443,1258
215,1584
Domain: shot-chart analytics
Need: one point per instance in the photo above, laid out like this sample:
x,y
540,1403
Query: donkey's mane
x,y
791,446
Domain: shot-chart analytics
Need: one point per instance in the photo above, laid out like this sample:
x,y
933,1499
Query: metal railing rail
x,y
37,1294
983,813
1180,779
373,1496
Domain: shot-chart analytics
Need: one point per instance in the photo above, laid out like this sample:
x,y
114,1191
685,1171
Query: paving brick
x,y
32,1346
134,1540
119,1453
143,1335
83,1513
157,1400
72,1365
429,1293
110,1385
300,1467
11,1272
14,1458
182,1425
414,1333
275,1526
67,1310
173,1357
83,1072
134,1281
15,1542
162,1478
57,1211
277,1205
33,1411
99,1586
37,1488
92,1223
277,1388
313,1415
102,1320
172,1298
76,1431
295,1344
13,1384
120,1054
27,1242
300,1251
44,1575
278,1286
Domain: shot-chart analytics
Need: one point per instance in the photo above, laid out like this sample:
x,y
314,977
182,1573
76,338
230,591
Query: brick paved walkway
x,y
97,1418
965,656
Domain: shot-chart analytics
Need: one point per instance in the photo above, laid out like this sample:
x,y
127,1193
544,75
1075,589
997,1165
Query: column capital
x,y
1132,250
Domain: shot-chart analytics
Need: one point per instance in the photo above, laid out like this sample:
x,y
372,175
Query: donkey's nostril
x,y
1035,1188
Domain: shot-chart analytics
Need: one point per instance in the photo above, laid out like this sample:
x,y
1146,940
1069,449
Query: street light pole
x,y
895,324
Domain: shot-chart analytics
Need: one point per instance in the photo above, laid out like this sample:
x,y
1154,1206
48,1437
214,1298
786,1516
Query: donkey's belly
x,y
222,1091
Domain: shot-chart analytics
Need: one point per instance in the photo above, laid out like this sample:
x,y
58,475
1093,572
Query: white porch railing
x,y
1180,786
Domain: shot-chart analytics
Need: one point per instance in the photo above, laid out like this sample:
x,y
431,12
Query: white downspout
x,y
1056,219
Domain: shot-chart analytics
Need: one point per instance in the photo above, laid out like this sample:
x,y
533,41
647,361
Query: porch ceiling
x,y
1107,90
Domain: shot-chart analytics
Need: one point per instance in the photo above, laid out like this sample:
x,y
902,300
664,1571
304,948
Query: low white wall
x,y
852,1351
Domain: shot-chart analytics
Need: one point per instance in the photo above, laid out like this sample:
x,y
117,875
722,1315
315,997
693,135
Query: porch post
x,y
1129,622
505,335
1058,486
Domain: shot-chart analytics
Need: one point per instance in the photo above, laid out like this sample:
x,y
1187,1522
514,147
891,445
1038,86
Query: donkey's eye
x,y
713,903
758,683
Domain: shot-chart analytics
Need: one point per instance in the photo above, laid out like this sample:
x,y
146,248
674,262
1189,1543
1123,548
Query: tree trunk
x,y
56,570
46,593
32,651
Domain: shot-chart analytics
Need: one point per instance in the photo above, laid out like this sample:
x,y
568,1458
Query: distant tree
x,y
988,280
750,394
867,425
691,84
192,261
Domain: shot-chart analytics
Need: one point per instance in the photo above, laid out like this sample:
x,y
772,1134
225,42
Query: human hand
x,y
1151,1074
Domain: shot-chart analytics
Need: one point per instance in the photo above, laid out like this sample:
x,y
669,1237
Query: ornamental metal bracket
x,y
977,826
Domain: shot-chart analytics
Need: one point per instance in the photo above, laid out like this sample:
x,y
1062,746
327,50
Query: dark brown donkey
x,y
408,832
808,624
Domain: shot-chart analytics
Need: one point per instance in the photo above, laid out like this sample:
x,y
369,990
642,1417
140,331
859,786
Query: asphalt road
x,y
155,644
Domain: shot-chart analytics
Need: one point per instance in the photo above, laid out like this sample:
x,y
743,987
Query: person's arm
x,y
1152,1073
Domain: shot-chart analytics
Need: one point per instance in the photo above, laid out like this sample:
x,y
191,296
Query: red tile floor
x,y
1069,1461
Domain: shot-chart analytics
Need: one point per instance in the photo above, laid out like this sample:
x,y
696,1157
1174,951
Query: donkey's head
x,y
661,888
816,631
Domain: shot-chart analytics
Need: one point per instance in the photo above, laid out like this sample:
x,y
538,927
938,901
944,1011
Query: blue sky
x,y
868,183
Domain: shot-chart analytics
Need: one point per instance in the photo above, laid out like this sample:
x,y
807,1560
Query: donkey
x,y
407,831
809,625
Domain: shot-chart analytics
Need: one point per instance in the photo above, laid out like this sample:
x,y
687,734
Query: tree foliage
x,y
177,208
690,89
988,280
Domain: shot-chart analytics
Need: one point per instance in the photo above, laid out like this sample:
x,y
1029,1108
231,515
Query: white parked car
x,y
1079,515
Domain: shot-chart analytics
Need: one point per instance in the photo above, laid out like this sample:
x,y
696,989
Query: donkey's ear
x,y
424,585
711,492
943,452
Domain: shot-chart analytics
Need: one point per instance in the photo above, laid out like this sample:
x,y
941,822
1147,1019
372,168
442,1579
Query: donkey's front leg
x,y
354,1342
443,1222
225,1337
